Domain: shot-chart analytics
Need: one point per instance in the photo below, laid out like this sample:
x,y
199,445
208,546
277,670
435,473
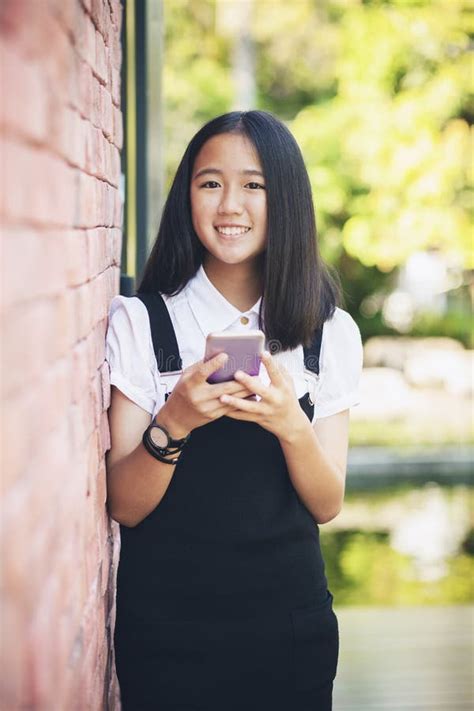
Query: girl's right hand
x,y
195,402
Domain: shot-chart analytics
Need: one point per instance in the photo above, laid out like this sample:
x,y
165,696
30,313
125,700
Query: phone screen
x,y
244,351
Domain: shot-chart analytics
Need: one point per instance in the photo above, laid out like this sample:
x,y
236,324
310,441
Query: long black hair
x,y
299,291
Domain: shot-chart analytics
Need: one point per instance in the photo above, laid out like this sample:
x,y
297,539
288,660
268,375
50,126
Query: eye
x,y
210,184
255,186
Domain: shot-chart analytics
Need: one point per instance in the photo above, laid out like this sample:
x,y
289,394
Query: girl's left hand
x,y
278,410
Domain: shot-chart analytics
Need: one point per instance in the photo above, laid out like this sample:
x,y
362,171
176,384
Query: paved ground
x,y
405,659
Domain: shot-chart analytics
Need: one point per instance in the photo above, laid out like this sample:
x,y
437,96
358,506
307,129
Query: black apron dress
x,y
222,600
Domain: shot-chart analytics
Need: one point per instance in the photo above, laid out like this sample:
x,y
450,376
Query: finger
x,y
252,383
206,368
273,370
250,406
242,393
220,411
243,416
229,388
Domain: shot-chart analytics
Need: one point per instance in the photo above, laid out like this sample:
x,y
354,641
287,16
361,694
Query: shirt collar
x,y
211,309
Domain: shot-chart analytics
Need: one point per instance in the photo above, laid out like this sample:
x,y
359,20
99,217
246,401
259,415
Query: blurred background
x,y
377,93
99,100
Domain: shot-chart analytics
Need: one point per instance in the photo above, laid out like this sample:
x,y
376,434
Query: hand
x,y
195,402
278,410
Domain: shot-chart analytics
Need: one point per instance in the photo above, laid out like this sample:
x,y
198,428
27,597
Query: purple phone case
x,y
243,355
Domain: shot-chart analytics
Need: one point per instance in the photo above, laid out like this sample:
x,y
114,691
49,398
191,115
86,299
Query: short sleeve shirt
x,y
200,309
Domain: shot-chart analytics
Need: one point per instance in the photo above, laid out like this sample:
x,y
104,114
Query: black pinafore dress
x,y
222,599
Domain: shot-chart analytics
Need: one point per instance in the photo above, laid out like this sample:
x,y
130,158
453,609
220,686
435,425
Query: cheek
x,y
201,207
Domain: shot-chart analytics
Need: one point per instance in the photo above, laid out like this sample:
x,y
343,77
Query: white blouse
x,y
199,309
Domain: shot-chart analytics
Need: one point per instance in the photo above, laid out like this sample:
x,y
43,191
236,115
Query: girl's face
x,y
228,199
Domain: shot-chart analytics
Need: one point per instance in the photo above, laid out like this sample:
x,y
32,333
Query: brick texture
x,y
60,219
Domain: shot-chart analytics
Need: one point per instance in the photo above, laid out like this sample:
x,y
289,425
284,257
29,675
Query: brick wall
x,y
60,133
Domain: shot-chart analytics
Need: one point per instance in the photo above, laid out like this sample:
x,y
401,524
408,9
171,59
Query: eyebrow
x,y
216,171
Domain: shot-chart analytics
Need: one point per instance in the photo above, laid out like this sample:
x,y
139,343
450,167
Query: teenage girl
x,y
222,600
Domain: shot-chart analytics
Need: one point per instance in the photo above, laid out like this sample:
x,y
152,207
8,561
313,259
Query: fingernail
x,y
266,354
224,398
238,374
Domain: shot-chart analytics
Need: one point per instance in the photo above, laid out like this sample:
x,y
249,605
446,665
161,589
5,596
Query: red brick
x,y
98,250
96,344
58,239
28,24
115,166
41,267
90,157
24,83
107,120
68,138
80,371
85,40
75,90
87,5
88,200
42,647
84,310
116,10
118,210
40,187
35,335
58,61
99,13
29,554
96,108
114,47
116,238
118,127
101,58
12,633
75,245
85,80
115,76
94,164
66,14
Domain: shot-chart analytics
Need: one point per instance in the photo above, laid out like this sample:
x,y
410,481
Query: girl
x,y
222,600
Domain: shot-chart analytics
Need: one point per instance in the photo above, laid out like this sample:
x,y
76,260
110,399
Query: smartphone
x,y
244,351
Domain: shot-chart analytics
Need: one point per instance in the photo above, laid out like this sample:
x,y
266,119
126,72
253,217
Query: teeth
x,y
232,231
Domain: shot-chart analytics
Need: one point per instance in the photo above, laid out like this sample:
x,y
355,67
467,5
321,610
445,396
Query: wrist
x,y
176,430
298,427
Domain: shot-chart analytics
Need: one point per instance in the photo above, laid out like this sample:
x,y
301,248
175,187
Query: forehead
x,y
228,150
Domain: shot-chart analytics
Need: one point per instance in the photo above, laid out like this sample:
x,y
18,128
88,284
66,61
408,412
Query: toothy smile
x,y
231,230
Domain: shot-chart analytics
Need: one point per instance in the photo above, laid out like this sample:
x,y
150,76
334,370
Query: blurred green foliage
x,y
362,569
376,93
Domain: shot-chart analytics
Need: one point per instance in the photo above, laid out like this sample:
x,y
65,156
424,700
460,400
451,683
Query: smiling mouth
x,y
232,231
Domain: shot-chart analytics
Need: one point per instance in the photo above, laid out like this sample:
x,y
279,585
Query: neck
x,y
240,284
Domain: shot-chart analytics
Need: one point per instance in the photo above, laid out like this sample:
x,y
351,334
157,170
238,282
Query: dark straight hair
x,y
299,291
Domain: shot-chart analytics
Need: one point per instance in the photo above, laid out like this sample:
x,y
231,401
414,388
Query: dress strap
x,y
163,336
311,353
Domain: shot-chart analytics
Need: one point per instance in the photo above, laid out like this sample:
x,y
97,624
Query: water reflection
x,y
431,530
402,546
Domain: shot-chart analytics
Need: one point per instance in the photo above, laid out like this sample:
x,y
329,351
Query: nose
x,y
231,203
